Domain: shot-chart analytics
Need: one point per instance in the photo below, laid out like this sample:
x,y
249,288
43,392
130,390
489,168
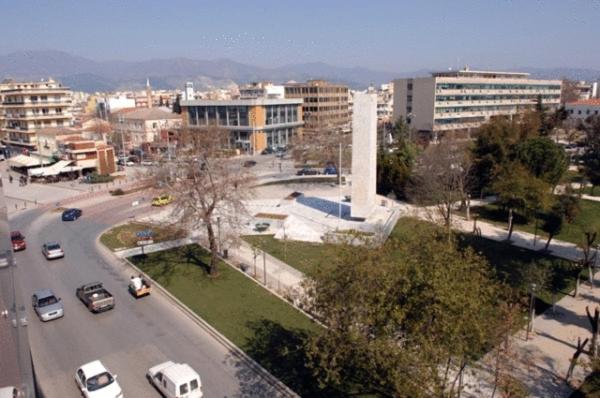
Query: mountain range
x,y
83,74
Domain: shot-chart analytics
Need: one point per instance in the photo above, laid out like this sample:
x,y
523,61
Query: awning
x,y
62,166
27,161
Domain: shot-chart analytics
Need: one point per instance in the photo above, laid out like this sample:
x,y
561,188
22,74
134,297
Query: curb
x,y
281,388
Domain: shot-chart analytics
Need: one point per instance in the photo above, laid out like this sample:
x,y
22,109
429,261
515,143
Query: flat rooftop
x,y
479,73
244,102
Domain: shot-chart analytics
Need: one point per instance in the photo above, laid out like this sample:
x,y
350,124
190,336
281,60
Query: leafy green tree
x,y
401,324
591,157
543,158
177,104
401,130
517,189
394,168
553,223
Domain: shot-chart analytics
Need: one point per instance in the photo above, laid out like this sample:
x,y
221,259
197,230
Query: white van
x,y
176,380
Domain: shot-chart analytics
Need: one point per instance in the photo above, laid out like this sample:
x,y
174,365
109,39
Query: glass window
x,y
194,384
183,389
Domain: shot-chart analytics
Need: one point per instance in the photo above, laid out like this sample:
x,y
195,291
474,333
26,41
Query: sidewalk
x,y
542,362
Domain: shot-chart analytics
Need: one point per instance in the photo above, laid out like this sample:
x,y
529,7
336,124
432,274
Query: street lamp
x,y
531,311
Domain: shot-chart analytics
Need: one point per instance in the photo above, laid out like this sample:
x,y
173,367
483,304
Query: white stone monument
x,y
364,155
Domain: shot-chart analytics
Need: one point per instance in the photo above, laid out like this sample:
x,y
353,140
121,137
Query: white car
x,y
176,380
95,381
52,250
9,392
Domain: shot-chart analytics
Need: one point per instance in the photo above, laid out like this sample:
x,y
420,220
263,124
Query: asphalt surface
x,y
129,339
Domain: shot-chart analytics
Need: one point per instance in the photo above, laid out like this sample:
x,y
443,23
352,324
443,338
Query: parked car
x,y
307,171
71,214
52,250
250,163
147,163
94,380
162,200
46,305
176,380
95,297
18,241
267,151
330,169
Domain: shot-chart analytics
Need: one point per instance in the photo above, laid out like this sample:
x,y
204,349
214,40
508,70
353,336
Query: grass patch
x,y
591,191
124,236
304,256
267,328
571,176
590,213
511,264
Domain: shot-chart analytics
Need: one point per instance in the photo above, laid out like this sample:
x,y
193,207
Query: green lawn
x,y
509,263
267,328
305,257
593,192
124,236
590,213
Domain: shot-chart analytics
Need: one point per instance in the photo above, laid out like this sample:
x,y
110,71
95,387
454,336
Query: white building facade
x,y
463,100
583,109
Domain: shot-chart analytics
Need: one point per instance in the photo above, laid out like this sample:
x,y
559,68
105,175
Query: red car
x,y
18,241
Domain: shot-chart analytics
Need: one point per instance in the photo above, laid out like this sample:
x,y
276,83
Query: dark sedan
x,y
71,214
306,171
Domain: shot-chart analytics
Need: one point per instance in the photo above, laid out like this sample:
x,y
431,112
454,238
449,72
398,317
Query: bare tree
x,y
209,188
442,177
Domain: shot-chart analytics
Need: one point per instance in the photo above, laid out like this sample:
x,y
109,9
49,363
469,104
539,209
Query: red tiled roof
x,y
591,101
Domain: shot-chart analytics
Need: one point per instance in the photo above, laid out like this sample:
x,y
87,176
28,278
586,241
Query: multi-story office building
x,y
30,106
463,100
325,105
253,124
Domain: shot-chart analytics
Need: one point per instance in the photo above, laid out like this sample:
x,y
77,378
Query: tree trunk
x,y
550,236
591,274
577,285
212,245
510,224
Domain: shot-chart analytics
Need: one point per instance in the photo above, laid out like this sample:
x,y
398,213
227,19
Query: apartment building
x,y
31,106
253,124
325,105
139,126
463,100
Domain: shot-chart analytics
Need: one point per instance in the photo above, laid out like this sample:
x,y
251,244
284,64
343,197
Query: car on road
x,y
9,392
139,286
46,305
162,200
95,381
18,241
175,380
71,214
147,163
95,297
52,250
249,163
307,171
267,151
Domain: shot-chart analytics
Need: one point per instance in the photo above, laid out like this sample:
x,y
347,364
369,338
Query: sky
x,y
388,35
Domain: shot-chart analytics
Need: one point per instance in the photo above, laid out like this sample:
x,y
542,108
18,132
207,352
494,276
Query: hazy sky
x,y
387,35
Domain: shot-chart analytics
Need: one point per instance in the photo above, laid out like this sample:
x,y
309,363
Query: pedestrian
x,y
10,178
280,167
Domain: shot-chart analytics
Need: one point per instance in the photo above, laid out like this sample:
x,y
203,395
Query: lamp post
x,y
219,233
531,311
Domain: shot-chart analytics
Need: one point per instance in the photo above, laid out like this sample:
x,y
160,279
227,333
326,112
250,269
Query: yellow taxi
x,y
162,200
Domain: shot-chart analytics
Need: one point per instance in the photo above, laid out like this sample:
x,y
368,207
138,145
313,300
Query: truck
x,y
95,297
139,286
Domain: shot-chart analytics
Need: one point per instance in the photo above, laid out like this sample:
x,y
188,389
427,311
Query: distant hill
x,y
84,74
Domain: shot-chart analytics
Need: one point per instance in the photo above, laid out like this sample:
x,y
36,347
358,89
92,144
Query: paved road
x,y
130,338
